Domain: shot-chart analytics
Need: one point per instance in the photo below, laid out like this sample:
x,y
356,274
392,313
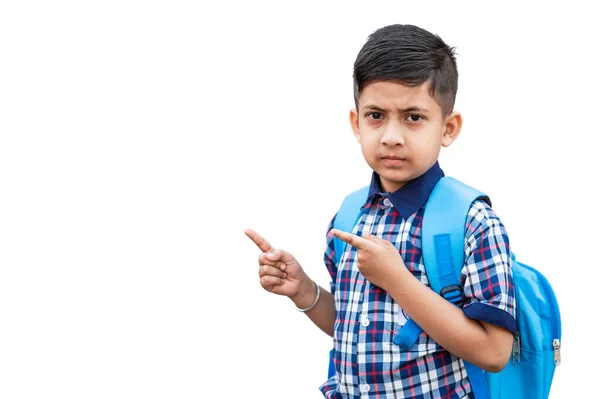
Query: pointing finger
x,y
351,239
260,242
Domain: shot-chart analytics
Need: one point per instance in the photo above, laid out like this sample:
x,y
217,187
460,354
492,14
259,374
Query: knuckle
x,y
264,281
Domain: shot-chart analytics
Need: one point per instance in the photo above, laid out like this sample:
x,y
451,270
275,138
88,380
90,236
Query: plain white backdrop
x,y
138,140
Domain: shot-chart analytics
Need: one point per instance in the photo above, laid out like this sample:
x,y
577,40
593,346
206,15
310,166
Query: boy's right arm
x,y
280,273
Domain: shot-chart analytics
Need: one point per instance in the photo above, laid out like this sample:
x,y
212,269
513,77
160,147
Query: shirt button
x,y
364,320
387,202
364,388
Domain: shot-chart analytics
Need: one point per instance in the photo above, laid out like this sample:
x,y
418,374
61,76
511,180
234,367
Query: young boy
x,y
405,83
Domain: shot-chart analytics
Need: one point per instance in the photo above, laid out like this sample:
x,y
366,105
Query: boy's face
x,y
401,131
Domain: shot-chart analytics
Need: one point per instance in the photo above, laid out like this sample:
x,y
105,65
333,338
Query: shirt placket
x,y
364,321
363,324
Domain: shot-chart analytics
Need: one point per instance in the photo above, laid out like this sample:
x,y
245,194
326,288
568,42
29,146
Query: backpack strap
x,y
345,220
443,245
443,238
347,216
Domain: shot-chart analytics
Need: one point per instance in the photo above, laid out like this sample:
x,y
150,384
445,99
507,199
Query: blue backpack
x,y
536,346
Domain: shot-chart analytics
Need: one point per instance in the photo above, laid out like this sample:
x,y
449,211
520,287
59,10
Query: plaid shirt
x,y
368,363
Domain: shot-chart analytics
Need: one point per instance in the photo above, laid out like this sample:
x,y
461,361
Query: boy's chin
x,y
396,175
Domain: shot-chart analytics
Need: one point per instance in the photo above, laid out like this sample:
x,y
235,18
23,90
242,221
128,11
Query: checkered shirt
x,y
368,364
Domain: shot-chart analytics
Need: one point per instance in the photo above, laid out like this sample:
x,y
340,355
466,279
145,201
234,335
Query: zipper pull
x,y
556,345
516,351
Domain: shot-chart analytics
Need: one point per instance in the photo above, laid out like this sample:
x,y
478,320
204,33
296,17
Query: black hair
x,y
411,56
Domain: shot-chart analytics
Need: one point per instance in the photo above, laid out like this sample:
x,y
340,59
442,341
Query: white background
x,y
138,140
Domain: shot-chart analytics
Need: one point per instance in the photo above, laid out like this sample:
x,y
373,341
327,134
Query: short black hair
x,y
411,56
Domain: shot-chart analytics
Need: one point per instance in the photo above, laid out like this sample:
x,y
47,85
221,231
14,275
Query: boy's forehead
x,y
391,94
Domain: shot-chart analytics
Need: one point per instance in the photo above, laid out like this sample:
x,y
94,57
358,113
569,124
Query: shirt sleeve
x,y
487,273
330,256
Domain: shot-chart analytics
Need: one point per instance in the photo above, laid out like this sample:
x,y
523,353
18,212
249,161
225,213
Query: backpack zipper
x,y
556,345
556,340
516,350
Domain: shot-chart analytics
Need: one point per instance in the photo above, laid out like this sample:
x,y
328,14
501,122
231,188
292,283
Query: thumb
x,y
279,255
275,255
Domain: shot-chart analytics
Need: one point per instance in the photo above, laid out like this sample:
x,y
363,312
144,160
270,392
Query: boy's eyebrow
x,y
402,110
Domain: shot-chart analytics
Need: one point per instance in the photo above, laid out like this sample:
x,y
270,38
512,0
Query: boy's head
x,y
405,83
409,55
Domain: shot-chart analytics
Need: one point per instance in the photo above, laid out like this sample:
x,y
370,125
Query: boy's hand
x,y
378,259
279,272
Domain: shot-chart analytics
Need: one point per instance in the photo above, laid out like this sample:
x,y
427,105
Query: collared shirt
x,y
368,364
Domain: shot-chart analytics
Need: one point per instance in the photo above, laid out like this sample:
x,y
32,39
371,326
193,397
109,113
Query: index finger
x,y
258,240
351,239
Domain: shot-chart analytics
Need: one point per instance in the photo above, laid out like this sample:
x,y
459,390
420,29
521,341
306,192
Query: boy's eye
x,y
375,115
414,118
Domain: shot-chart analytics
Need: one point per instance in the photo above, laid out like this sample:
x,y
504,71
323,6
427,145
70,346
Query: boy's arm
x,y
323,313
486,345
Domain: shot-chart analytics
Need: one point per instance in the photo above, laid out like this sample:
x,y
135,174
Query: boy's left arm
x,y
482,343
480,333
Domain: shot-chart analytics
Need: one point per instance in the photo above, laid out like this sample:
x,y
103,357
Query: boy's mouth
x,y
392,160
392,157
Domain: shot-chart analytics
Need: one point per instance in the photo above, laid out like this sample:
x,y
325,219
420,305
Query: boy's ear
x,y
452,127
354,123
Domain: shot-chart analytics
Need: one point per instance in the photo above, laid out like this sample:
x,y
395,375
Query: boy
x,y
405,83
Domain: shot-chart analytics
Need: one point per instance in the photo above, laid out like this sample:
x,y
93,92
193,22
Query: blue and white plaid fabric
x,y
368,363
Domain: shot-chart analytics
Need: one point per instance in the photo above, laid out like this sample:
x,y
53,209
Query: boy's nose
x,y
393,135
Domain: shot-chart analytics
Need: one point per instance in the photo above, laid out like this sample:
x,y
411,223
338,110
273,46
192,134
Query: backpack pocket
x,y
536,351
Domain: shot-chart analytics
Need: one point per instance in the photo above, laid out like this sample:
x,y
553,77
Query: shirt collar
x,y
409,198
